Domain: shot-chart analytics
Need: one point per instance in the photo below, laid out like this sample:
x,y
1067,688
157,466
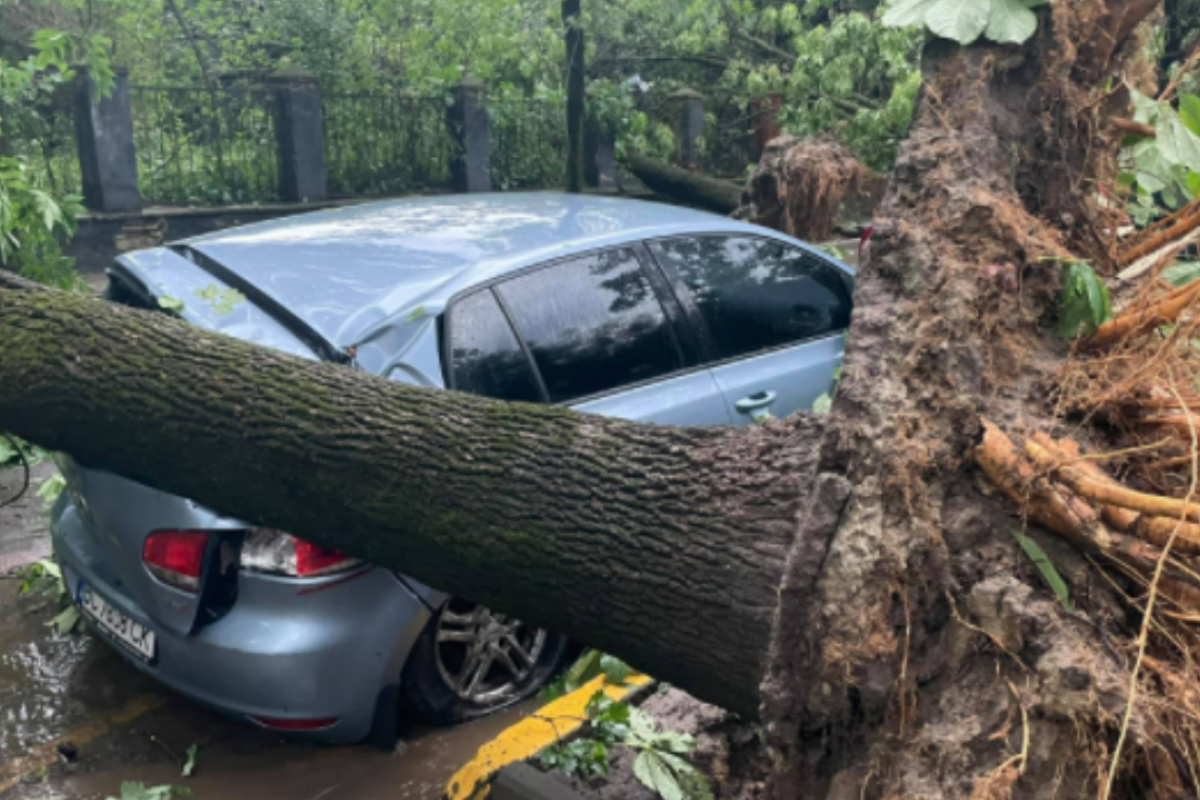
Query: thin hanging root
x,y
1139,322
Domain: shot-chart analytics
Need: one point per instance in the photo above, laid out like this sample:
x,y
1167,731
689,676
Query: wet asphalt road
x,y
73,690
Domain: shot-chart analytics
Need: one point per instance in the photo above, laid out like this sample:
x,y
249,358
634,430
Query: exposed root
x,y
801,184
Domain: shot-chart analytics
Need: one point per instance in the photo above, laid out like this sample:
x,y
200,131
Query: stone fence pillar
x,y
471,169
104,136
300,138
689,125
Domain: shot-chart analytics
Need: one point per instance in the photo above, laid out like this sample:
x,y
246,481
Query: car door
x,y
772,318
591,332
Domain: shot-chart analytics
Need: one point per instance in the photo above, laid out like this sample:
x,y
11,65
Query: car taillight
x,y
176,557
266,550
863,243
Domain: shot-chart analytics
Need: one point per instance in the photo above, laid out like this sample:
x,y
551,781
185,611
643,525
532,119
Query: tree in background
x,y
36,217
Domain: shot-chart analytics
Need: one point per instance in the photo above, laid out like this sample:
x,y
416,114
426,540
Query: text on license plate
x,y
134,635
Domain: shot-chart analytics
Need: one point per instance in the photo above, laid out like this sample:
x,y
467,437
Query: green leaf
x,y
1011,22
1182,273
615,670
583,670
1085,303
1038,556
674,742
961,20
655,775
172,305
66,621
189,766
823,404
907,13
642,725
1178,145
51,488
1189,112
135,790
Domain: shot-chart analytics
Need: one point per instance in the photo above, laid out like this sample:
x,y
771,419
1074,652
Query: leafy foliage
x,y
589,666
51,489
965,21
12,447
189,764
1045,566
135,790
1181,273
659,764
1163,172
223,301
1085,304
35,221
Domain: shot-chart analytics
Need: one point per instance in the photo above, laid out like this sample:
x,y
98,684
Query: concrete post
x,y
765,114
104,135
600,158
471,169
300,138
689,125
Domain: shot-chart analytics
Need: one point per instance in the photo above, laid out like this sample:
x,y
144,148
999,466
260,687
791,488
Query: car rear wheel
x,y
471,661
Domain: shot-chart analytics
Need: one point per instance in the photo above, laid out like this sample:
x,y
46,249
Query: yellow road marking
x,y
527,738
45,754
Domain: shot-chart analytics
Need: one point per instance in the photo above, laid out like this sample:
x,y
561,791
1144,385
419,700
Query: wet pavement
x,y
72,693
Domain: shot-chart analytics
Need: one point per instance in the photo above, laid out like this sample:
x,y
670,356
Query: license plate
x,y
133,635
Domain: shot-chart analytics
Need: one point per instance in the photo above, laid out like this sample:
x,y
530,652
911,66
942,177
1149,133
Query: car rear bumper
x,y
287,650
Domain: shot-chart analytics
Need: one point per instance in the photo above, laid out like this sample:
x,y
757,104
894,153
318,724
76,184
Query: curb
x,y
553,722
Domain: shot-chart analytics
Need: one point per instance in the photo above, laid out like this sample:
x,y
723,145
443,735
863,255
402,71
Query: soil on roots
x,y
918,652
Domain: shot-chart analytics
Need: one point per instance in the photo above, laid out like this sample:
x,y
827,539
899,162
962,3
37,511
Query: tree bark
x,y
686,187
928,645
664,546
576,94
861,567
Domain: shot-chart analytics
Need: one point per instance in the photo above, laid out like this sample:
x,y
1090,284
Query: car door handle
x,y
759,400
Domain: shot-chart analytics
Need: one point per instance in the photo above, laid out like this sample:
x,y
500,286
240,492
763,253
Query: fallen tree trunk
x,y
862,568
689,188
664,546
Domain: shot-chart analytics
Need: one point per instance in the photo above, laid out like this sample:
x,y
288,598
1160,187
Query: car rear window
x,y
593,324
756,294
485,356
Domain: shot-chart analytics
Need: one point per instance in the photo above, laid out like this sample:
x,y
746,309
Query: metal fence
x,y
44,136
529,143
205,146
725,148
378,144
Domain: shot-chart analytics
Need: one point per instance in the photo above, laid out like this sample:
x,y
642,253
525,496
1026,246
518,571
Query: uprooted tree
x,y
852,580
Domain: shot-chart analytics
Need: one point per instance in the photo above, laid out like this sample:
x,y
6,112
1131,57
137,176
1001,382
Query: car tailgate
x,y
117,516
117,513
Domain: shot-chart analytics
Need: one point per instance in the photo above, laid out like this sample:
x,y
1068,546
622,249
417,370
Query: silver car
x,y
608,306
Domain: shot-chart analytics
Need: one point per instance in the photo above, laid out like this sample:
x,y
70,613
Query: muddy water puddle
x,y
121,726
418,770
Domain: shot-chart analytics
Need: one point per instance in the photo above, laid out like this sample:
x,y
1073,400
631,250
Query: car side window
x,y
755,294
592,324
485,356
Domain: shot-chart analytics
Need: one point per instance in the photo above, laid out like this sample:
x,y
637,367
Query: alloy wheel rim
x,y
484,657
